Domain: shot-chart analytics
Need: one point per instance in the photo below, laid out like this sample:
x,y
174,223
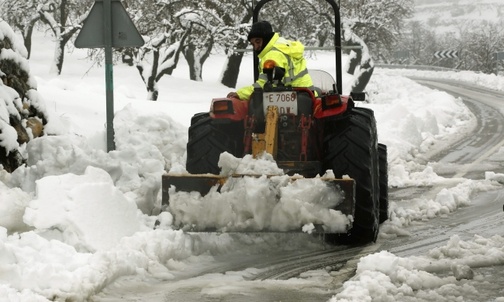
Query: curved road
x,y
471,155
467,157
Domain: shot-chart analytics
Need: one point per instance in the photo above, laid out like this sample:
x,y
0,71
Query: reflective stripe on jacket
x,y
286,54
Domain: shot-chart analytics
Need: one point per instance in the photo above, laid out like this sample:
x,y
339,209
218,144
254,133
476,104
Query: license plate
x,y
286,101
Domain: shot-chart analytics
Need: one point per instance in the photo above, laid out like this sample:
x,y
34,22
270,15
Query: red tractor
x,y
306,134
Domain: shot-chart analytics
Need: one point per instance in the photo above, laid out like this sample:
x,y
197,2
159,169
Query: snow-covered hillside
x,y
450,15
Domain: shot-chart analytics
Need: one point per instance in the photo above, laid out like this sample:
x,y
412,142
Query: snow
x,y
253,204
386,277
451,16
77,218
78,213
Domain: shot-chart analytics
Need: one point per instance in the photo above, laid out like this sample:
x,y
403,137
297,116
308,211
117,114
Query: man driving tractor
x,y
286,54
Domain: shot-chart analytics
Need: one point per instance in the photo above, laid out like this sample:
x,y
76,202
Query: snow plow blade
x,y
202,183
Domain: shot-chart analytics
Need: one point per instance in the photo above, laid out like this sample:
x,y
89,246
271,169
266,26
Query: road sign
x,y
108,25
124,32
446,54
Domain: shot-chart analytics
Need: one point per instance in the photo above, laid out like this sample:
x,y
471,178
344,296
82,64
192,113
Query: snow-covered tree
x,y
377,22
374,26
418,41
479,45
311,22
159,57
64,18
22,111
197,48
360,58
160,22
476,42
22,15
214,23
190,28
232,20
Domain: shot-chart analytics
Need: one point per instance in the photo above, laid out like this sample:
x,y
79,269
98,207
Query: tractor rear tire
x,y
384,203
351,148
209,138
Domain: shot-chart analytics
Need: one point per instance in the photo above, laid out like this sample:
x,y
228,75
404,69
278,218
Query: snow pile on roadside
x,y
74,208
441,275
405,212
495,177
414,123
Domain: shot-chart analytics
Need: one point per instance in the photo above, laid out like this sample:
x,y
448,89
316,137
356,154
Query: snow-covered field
x,y
78,218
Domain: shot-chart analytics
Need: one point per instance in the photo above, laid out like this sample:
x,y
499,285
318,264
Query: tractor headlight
x,y
222,107
331,101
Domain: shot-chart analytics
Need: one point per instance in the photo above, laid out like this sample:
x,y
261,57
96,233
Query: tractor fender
x,y
319,113
235,109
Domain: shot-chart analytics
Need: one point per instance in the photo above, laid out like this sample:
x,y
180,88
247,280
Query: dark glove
x,y
233,95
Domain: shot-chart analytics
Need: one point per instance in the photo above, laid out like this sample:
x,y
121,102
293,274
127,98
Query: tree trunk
x,y
27,36
232,70
355,60
196,58
152,93
59,56
151,83
361,60
191,61
364,77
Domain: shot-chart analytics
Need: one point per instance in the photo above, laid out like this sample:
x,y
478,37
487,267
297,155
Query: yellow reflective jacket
x,y
287,54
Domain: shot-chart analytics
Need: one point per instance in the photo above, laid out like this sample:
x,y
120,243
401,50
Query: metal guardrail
x,y
308,48
419,67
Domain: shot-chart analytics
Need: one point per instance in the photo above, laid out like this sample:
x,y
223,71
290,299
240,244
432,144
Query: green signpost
x,y
108,25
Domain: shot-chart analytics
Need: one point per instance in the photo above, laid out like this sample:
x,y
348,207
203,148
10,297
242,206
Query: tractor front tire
x,y
208,138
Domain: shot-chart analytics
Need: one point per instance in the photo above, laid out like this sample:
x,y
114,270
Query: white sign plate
x,y
286,101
